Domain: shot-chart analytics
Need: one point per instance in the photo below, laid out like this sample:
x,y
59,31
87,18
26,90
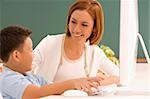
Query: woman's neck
x,y
73,49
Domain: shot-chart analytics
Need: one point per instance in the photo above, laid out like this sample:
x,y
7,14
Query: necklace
x,y
87,68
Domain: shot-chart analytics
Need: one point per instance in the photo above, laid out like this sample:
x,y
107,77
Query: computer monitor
x,y
128,40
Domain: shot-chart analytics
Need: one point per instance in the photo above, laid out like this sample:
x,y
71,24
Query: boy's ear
x,y
16,55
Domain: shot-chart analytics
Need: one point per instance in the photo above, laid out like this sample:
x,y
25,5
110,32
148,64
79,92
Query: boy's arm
x,y
32,91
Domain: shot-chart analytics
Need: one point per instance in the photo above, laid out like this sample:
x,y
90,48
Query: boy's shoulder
x,y
11,80
9,75
12,83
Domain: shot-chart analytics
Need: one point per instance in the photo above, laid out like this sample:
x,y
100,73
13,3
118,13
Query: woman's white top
x,y
69,69
50,63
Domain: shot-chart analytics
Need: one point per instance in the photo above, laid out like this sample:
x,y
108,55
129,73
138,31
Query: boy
x,y
16,54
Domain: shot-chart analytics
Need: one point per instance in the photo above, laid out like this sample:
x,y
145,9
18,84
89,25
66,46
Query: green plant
x,y
109,53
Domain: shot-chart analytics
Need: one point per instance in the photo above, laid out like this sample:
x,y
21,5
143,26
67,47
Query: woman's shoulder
x,y
95,48
54,36
51,38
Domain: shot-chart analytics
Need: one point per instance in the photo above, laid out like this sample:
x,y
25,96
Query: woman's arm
x,y
109,71
109,80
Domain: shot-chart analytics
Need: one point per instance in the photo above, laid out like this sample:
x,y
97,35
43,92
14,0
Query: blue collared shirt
x,y
13,84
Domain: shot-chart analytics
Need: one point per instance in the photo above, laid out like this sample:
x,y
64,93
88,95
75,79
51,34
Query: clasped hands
x,y
90,84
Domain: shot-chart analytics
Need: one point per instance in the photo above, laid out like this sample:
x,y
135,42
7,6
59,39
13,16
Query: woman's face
x,y
80,25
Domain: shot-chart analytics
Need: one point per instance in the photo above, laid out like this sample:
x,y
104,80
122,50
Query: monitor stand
x,y
144,48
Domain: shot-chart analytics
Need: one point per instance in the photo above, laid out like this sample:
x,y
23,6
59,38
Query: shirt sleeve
x,y
15,85
40,81
39,54
37,61
105,64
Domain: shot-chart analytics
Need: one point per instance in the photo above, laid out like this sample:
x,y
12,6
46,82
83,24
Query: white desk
x,y
138,88
142,78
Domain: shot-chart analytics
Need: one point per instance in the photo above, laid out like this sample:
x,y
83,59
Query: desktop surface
x,y
138,88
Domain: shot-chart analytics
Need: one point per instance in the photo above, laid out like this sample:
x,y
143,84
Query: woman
x,y
75,53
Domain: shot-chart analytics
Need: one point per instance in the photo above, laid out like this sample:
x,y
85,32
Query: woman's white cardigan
x,y
47,56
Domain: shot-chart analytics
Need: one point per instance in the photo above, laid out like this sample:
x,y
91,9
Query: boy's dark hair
x,y
11,38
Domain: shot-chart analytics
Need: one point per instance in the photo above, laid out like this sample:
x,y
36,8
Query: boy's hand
x,y
86,84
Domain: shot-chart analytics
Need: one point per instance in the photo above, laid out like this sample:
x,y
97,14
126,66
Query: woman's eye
x,y
84,25
73,21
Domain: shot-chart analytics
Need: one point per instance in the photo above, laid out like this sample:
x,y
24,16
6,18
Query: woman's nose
x,y
77,29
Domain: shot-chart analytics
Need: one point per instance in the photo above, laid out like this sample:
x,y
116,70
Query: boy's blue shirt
x,y
13,84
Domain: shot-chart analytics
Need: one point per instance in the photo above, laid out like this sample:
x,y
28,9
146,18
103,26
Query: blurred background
x,y
49,17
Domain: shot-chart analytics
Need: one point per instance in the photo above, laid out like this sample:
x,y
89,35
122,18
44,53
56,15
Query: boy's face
x,y
26,56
